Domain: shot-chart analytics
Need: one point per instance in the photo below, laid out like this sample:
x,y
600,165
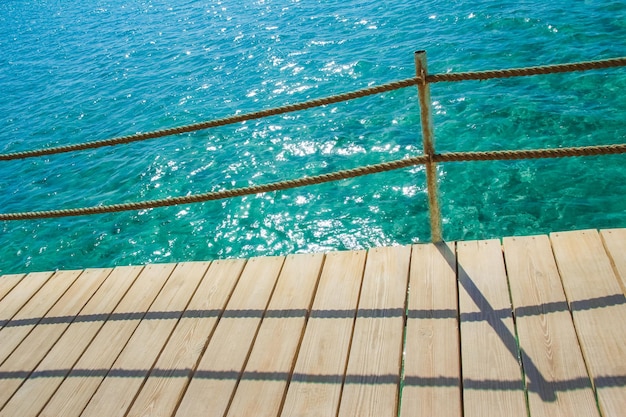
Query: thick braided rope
x,y
521,72
219,195
324,178
481,75
530,153
213,123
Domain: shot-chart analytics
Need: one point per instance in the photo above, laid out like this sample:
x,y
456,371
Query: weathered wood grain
x,y
615,243
556,377
172,372
19,295
41,385
41,339
315,389
95,363
374,366
598,307
34,310
492,378
8,282
137,359
214,381
268,370
432,382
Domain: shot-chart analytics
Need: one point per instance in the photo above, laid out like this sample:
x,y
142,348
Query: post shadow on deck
x,y
546,390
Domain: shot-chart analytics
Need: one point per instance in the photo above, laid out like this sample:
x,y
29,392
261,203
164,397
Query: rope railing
x,y
429,158
325,178
528,71
290,108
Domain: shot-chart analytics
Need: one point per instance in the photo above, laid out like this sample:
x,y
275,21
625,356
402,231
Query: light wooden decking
x,y
487,328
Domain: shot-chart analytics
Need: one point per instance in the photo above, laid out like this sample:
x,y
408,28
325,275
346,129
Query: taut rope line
x,y
523,72
396,85
323,178
289,108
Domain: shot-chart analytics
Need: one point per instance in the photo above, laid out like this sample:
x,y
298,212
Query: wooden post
x,y
428,139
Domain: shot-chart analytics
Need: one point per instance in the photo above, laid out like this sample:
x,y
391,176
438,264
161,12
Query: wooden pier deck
x,y
524,326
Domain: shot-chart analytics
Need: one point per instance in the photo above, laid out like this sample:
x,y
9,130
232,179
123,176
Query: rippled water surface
x,y
72,72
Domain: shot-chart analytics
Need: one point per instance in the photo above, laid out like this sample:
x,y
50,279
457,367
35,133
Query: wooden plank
x,y
37,344
598,307
556,377
33,395
263,383
20,294
615,243
32,312
117,391
492,379
78,387
172,372
7,282
315,389
432,381
373,372
217,375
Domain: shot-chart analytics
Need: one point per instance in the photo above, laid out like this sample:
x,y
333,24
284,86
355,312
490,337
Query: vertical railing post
x,y
428,140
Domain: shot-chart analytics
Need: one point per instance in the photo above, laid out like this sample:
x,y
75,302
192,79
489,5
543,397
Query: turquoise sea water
x,y
79,71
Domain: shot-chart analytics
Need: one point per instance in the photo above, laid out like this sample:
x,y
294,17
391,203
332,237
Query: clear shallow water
x,y
92,70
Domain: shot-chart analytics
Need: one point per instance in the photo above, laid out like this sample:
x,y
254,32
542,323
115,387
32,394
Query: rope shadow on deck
x,y
487,384
545,308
